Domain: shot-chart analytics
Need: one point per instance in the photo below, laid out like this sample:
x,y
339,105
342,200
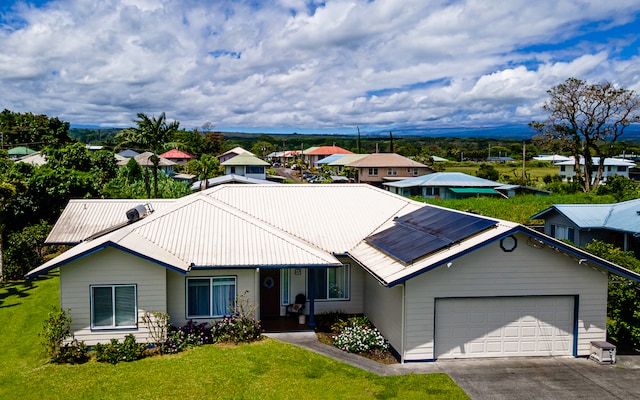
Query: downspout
x,y
402,318
311,294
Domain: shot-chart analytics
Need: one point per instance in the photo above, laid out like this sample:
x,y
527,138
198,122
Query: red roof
x,y
328,150
176,154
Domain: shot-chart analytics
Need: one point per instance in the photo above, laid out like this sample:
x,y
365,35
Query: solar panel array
x,y
425,231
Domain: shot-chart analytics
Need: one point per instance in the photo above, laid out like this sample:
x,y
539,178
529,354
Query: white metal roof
x,y
82,218
333,217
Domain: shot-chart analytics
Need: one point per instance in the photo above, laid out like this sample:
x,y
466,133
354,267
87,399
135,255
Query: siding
x,y
491,272
110,267
383,307
177,284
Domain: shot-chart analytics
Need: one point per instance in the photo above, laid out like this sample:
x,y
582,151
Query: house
x,y
340,163
283,157
437,283
36,159
232,153
144,160
246,165
618,224
552,158
178,156
313,154
456,185
384,167
128,153
612,166
445,185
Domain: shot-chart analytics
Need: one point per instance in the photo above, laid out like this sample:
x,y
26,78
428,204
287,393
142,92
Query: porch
x,y
284,324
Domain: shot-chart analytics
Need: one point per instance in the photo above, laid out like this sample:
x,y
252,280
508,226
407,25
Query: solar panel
x,y
425,231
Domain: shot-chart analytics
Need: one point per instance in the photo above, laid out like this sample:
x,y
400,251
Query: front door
x,y
269,293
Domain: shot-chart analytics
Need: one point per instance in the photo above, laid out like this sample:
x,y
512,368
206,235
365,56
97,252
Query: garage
x,y
504,326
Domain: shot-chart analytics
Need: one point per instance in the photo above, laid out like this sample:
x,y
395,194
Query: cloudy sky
x,y
303,66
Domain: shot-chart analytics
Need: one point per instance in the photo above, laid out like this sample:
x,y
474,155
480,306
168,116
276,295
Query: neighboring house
x,y
437,283
313,154
618,224
384,167
283,157
178,156
612,166
229,179
341,163
232,153
246,165
445,185
34,159
456,185
19,152
329,159
144,160
552,158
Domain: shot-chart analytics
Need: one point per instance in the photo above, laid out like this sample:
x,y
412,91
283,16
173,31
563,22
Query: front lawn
x,y
264,369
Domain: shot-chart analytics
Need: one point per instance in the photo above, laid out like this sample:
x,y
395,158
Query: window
x,y
415,171
392,171
113,306
210,297
373,171
284,283
432,191
232,170
622,168
563,232
331,283
563,168
255,170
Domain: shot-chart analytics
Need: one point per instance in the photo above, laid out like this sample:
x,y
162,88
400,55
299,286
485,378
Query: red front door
x,y
269,293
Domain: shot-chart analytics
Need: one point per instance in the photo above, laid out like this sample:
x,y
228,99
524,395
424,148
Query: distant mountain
x,y
510,131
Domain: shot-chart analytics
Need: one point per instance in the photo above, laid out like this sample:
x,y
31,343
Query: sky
x,y
309,66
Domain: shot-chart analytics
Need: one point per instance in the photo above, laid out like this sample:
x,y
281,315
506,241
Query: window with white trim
x,y
373,171
255,169
113,306
211,297
392,171
331,283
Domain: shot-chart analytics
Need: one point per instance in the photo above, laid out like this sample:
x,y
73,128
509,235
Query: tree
x,y
589,119
150,134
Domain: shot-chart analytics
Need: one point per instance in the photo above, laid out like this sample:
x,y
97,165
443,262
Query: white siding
x,y
177,289
527,271
110,267
383,307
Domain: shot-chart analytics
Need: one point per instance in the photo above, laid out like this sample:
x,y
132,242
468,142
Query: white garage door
x,y
504,326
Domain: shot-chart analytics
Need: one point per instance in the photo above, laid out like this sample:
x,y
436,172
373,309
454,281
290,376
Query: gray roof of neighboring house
x,y
347,159
331,158
607,161
231,178
128,153
144,159
623,216
445,179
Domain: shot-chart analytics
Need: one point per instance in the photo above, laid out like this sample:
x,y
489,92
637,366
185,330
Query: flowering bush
x,y
236,329
189,335
360,339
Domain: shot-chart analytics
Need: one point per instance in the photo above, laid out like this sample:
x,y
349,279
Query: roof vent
x,y
136,213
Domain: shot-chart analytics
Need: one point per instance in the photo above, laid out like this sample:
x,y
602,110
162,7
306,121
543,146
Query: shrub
x,y
57,329
360,339
189,335
114,352
236,329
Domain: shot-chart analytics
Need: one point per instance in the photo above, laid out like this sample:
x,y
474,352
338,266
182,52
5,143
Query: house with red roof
x,y
315,154
177,156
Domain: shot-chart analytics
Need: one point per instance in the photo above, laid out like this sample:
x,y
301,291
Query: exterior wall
x,y
110,266
383,173
569,172
488,272
559,220
383,307
247,280
242,171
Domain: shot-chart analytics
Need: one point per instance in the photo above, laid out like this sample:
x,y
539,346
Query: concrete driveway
x,y
546,378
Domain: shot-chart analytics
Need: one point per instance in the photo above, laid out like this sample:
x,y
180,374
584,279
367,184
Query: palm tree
x,y
152,134
206,167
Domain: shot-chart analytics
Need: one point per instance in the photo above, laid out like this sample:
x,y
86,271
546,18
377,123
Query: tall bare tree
x,y
151,134
589,119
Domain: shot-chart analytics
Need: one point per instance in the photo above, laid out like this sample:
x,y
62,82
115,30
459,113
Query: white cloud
x,y
296,64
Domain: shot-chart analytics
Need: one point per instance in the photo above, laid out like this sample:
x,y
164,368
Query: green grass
x,y
263,370
518,208
535,170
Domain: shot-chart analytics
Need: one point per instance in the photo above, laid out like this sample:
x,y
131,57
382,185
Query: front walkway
x,y
521,378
